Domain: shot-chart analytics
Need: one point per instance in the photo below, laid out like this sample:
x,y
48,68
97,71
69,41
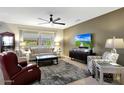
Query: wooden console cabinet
x,y
80,54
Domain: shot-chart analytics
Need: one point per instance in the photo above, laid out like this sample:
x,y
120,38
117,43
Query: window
x,y
46,40
30,38
39,39
31,42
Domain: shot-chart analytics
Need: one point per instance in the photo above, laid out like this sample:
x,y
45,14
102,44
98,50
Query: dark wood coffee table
x,y
52,58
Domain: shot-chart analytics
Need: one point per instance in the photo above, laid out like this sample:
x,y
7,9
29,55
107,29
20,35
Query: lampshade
x,y
22,44
114,43
57,44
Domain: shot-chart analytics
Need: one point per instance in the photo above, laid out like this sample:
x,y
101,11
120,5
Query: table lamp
x,y
57,44
22,44
114,43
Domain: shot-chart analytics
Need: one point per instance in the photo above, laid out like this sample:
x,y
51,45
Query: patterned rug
x,y
61,74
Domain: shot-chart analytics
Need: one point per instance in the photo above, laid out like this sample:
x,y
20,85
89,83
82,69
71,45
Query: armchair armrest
x,y
95,57
27,68
30,66
102,61
90,58
23,63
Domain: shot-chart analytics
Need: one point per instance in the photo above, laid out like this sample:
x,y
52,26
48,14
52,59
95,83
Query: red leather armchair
x,y
15,73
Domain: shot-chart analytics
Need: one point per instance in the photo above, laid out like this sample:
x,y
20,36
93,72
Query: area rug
x,y
61,74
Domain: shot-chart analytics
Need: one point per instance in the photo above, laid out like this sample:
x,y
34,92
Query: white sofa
x,y
35,51
32,52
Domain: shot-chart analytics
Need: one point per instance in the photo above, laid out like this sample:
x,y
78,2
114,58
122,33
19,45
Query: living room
x,y
48,36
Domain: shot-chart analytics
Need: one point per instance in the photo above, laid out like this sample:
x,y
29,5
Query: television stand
x,y
80,54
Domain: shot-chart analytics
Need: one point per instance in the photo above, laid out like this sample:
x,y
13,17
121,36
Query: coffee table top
x,y
46,56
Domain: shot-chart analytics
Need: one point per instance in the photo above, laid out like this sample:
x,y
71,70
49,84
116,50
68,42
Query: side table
x,y
107,68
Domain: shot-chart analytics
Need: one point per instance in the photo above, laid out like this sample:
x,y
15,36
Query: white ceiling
x,y
69,15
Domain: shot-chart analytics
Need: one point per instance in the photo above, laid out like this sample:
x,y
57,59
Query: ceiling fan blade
x,y
42,23
59,23
43,19
56,19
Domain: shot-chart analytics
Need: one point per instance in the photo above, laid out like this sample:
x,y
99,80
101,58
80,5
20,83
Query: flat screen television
x,y
84,40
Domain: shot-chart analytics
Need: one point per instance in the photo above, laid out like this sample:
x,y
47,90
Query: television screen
x,y
83,40
8,41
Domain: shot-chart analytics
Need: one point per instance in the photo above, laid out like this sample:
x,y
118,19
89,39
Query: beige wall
x,y
102,28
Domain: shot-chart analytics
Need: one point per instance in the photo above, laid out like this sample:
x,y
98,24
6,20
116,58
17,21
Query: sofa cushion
x,y
41,50
45,50
34,51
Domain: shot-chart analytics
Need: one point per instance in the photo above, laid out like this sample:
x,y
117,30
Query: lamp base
x,y
114,50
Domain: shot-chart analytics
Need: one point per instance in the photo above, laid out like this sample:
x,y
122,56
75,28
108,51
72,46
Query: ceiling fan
x,y
51,20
